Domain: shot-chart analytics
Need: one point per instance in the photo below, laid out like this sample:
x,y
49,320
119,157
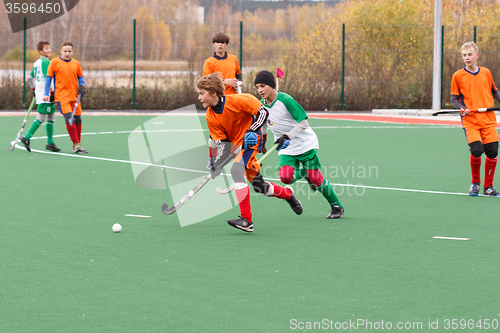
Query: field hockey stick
x,y
22,127
262,159
496,108
74,110
168,211
238,86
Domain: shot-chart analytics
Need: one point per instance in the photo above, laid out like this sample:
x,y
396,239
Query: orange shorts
x,y
484,134
67,107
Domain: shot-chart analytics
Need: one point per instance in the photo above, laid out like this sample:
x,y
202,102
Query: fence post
x,y
24,66
474,34
343,67
241,44
133,82
442,66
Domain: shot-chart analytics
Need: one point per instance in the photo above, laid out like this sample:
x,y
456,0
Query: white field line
x,y
131,215
205,172
204,130
451,238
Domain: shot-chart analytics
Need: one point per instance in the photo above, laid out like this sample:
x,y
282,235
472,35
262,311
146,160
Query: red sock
x,y
489,171
73,135
243,196
280,192
79,132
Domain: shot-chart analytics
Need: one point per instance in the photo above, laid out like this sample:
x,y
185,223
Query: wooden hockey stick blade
x,y
233,185
226,190
444,112
11,148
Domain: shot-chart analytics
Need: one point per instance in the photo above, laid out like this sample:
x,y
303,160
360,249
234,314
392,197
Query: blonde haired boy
x,y
472,87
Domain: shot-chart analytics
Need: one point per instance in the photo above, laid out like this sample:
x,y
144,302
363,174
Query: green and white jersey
x,y
284,114
39,73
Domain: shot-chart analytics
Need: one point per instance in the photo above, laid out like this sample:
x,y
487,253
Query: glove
x,y
282,142
33,92
81,89
249,140
52,97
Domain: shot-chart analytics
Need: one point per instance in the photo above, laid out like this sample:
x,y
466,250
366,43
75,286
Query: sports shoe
x,y
336,212
241,223
52,147
294,202
491,192
26,143
474,189
77,149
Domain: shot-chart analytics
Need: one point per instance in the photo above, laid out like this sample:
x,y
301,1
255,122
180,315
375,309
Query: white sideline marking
x,y
111,160
206,172
452,238
136,215
124,132
204,130
275,179
385,127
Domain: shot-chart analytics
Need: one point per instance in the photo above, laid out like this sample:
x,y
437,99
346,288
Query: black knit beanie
x,y
265,77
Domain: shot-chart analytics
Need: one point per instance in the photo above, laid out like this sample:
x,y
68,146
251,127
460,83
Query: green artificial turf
x,y
64,270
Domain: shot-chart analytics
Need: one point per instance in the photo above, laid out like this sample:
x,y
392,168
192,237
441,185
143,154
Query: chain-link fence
x,y
327,65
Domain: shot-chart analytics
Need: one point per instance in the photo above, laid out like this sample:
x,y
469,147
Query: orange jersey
x,y
65,74
228,67
475,92
234,119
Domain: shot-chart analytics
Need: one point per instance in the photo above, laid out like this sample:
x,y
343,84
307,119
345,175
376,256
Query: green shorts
x,y
46,108
309,160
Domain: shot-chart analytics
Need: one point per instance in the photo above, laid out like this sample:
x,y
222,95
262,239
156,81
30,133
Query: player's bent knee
x,y
41,117
286,174
67,117
476,148
78,120
491,149
315,177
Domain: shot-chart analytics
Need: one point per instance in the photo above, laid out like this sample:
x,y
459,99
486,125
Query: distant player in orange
x,y
69,82
234,121
472,87
226,64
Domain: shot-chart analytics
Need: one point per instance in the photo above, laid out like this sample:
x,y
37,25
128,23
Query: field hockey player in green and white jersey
x,y
45,109
297,142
